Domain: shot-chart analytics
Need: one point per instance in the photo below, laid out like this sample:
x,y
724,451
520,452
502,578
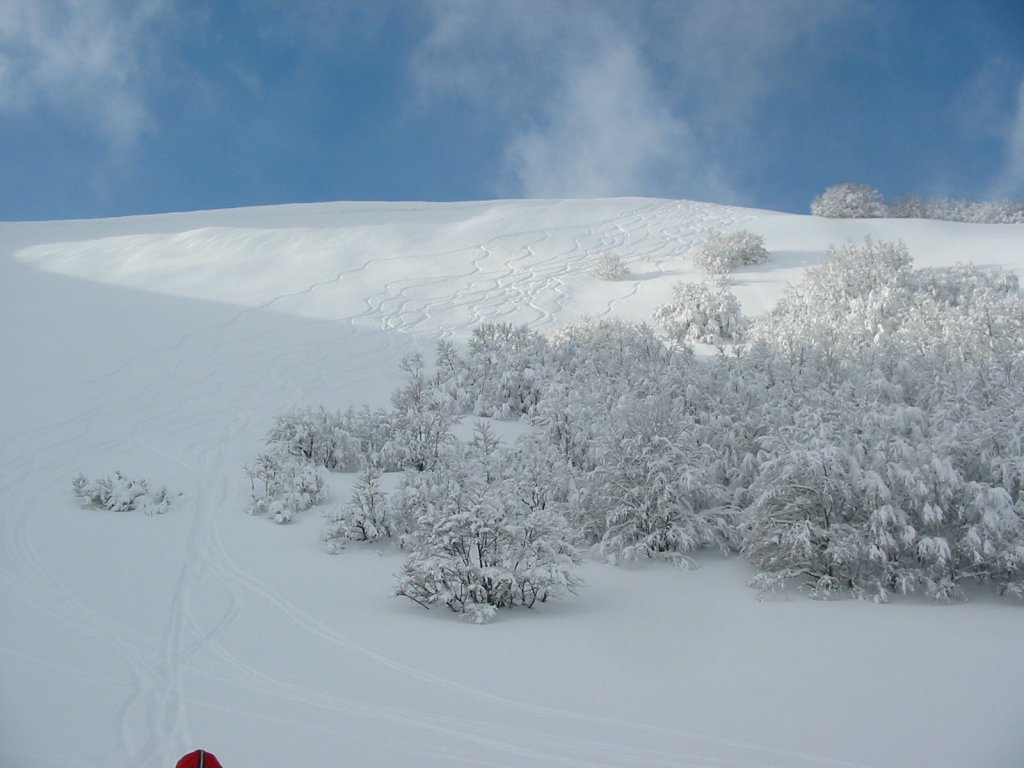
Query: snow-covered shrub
x,y
655,487
502,374
374,431
421,420
366,517
317,436
908,207
599,351
723,253
962,284
347,441
481,540
879,505
702,312
900,465
855,297
594,363
119,493
867,437
859,201
849,201
954,209
569,421
611,266
283,485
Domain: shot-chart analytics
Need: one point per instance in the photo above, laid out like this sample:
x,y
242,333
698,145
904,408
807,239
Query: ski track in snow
x,y
519,276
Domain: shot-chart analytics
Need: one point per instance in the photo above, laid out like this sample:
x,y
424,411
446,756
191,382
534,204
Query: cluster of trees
x,y
860,201
867,437
896,461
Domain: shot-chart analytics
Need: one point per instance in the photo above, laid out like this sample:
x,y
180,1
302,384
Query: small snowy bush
x,y
283,485
120,494
723,253
366,517
611,267
701,312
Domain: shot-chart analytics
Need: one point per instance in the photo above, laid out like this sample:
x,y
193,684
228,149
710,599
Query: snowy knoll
x,y
164,347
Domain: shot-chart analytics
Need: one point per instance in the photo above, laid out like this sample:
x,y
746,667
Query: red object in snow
x,y
199,759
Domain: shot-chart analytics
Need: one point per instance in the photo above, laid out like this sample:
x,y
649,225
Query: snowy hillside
x,y
164,346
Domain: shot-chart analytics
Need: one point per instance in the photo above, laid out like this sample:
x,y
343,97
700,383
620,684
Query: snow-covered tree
x,y
841,308
656,488
701,312
900,383
908,207
479,543
611,266
421,422
877,504
867,437
722,253
849,201
283,485
860,201
317,436
594,363
610,353
503,372
366,517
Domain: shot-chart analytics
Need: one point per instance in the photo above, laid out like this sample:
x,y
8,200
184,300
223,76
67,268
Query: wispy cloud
x,y
605,130
1010,182
990,108
82,59
732,58
604,98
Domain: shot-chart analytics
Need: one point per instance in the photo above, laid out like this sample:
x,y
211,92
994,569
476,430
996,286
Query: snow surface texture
x,y
162,347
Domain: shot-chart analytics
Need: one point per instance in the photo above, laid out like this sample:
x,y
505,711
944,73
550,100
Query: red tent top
x,y
199,759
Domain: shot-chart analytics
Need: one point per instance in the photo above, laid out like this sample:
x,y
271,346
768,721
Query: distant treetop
x,y
860,201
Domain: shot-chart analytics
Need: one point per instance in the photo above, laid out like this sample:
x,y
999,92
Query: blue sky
x,y
114,107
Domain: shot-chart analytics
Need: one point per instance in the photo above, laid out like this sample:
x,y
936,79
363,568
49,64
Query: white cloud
x,y
1011,180
605,98
605,131
582,113
82,59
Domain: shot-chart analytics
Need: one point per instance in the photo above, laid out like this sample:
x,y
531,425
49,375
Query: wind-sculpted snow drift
x,y
164,347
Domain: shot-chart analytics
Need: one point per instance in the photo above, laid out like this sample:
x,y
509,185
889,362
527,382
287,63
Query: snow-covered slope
x,y
163,346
